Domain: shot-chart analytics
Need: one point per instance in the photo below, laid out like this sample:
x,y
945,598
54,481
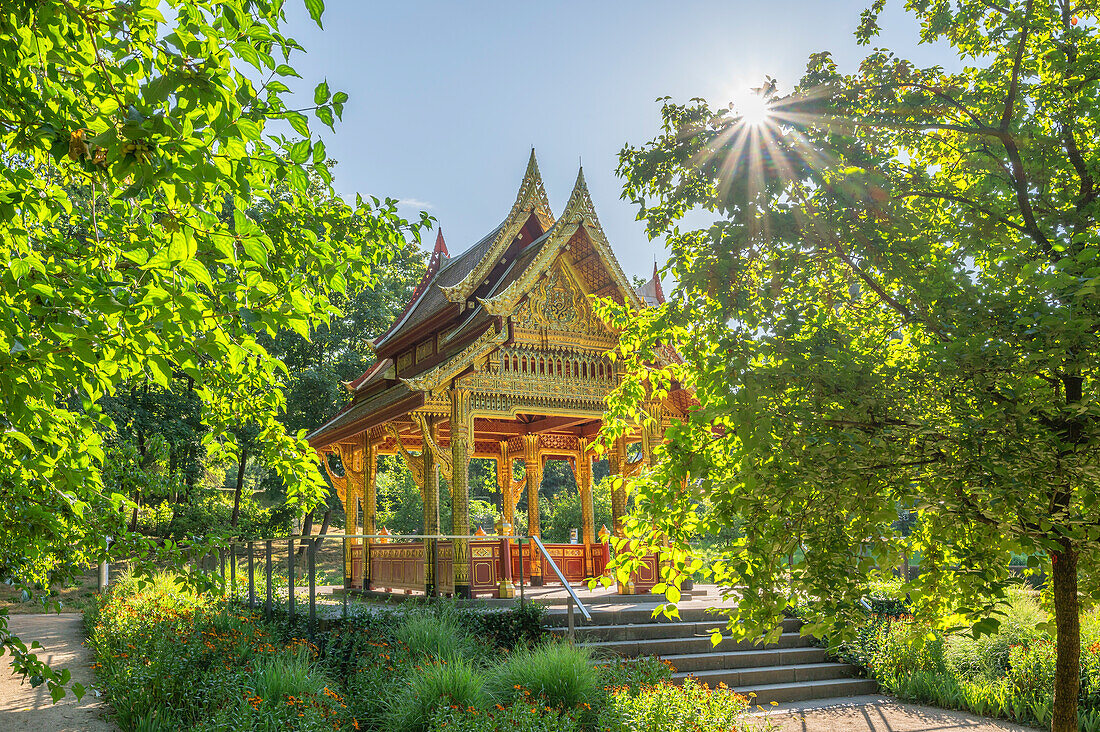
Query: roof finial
x,y
440,245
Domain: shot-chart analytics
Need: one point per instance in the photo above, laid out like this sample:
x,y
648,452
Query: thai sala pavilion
x,y
497,355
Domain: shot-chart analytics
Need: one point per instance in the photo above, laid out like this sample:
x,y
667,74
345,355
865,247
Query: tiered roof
x,y
461,299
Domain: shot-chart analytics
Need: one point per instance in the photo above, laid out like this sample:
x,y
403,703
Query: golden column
x,y
430,473
370,493
504,483
532,463
618,500
584,483
507,520
370,504
462,428
617,464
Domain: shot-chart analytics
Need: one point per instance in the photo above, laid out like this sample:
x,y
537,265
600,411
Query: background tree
x,y
158,269
895,305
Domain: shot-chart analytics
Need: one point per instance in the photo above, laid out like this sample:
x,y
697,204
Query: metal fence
x,y
306,574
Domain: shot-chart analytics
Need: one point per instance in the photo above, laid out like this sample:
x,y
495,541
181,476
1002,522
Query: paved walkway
x,y
25,709
878,714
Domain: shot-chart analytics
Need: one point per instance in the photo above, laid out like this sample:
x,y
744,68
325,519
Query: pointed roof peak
x,y
651,293
531,197
441,245
579,207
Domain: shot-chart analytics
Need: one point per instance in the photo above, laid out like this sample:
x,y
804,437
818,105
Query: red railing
x,y
403,565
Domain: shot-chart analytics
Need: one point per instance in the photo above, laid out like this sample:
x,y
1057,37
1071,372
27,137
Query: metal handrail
x,y
568,588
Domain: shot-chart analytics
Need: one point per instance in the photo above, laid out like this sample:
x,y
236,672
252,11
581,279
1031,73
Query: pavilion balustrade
x,y
427,565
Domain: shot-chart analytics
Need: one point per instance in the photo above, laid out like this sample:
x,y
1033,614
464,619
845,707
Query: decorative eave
x,y
581,210
504,303
531,199
578,212
438,377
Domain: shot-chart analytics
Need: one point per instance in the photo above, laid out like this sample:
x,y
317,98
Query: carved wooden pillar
x,y
617,465
588,512
532,462
370,504
618,500
462,428
430,472
504,483
370,491
508,519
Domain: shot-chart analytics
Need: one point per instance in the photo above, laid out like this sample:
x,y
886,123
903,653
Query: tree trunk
x,y
325,521
240,486
307,528
1067,620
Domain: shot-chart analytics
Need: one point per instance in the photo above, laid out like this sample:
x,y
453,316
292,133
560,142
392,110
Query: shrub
x,y
902,646
987,656
1030,671
513,718
287,674
557,675
666,707
430,688
434,636
520,627
633,673
1009,674
168,660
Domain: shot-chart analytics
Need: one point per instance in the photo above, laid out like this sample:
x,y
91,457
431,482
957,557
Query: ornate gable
x,y
530,201
577,226
558,311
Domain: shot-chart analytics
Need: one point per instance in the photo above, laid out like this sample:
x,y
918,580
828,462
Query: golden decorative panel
x,y
424,350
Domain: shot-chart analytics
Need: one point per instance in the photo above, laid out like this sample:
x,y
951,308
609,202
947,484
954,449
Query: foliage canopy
x,y
894,309
134,150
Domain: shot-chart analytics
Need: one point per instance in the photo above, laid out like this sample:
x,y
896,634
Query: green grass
x,y
432,687
438,637
556,674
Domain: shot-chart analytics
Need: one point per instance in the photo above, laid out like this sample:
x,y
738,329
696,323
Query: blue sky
x,y
447,98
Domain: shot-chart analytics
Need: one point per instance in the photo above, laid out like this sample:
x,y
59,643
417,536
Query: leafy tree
x,y
158,270
895,306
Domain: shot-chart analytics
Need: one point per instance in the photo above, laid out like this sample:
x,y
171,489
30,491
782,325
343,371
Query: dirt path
x,y
23,709
879,714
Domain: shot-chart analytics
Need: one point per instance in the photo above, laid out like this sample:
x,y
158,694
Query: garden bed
x,y
168,659
1009,674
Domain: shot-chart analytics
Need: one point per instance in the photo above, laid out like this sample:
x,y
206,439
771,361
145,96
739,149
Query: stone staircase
x,y
792,669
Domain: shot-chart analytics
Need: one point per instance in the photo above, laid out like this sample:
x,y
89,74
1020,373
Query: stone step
x,y
754,676
696,644
736,660
640,631
557,617
802,690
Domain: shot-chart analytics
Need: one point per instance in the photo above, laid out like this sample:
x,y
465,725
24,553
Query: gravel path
x,y
23,709
878,714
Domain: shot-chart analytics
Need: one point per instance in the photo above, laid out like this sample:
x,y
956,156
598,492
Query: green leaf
x,y
299,151
298,122
316,8
255,250
321,93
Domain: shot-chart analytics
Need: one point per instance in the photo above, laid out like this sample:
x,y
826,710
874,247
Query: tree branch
x,y
966,202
